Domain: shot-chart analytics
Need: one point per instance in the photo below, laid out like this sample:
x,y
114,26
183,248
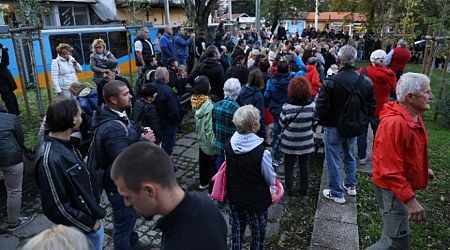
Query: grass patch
x,y
434,232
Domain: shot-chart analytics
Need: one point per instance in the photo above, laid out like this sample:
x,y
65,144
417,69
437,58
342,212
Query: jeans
x,y
276,138
13,183
362,139
338,148
97,238
124,219
257,222
219,160
396,228
169,136
303,164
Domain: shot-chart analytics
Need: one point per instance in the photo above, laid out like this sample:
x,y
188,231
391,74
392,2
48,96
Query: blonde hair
x,y
58,237
75,87
245,118
97,42
63,46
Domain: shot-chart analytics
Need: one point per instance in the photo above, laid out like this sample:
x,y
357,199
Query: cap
x,y
109,65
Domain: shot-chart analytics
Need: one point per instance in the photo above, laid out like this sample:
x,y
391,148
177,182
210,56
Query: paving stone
x,y
36,226
192,152
9,242
334,235
178,150
186,142
191,135
272,229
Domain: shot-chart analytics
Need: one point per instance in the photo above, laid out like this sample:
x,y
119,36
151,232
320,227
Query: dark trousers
x,y
10,102
239,219
303,164
124,219
169,136
207,167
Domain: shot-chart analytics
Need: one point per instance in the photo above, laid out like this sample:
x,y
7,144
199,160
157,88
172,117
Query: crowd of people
x,y
245,84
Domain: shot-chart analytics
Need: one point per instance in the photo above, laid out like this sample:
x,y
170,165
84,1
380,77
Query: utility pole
x,y
258,16
166,12
230,12
316,17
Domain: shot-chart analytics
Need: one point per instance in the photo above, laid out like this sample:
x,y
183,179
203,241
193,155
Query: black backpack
x,y
352,119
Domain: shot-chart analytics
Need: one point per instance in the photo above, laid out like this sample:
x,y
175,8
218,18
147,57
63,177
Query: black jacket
x,y
333,95
111,138
213,69
145,114
11,139
7,83
167,105
66,188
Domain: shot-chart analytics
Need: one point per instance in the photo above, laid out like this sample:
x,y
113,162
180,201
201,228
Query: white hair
x,y
378,57
245,118
232,88
160,73
410,83
347,55
58,237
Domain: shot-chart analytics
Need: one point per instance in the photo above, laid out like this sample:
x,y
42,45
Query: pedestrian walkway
x,y
185,157
336,225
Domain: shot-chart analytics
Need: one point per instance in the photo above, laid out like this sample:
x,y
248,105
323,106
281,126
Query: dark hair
x,y
282,67
148,90
238,59
60,114
112,89
201,85
143,161
171,61
299,89
258,58
256,78
211,51
264,65
241,41
241,73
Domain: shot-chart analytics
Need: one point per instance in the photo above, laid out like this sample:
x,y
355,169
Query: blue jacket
x,y
253,96
182,46
167,46
88,99
276,92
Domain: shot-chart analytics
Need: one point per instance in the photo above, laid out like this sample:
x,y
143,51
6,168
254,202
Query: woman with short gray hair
x,y
223,112
249,177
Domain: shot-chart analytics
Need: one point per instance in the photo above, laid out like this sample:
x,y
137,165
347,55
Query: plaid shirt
x,y
223,122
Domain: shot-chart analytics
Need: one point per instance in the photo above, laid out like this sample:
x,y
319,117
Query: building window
x,y
71,39
73,15
118,43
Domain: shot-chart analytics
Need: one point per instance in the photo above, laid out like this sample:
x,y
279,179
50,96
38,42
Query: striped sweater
x,y
297,137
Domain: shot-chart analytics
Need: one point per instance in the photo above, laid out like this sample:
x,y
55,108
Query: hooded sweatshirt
x,y
252,95
314,79
276,92
203,106
243,143
400,159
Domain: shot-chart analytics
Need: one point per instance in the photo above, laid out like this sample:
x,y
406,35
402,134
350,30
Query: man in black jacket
x,y
168,109
330,104
213,69
113,133
144,176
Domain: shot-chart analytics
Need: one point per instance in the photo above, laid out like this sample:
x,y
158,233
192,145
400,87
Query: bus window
x,y
71,39
87,39
118,43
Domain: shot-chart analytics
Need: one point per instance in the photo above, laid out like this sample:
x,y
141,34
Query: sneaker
x,y
350,190
362,161
327,194
203,187
22,221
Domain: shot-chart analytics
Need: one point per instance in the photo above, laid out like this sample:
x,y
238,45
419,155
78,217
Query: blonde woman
x,y
98,59
58,237
64,69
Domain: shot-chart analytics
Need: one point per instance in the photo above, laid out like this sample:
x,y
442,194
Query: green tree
x,y
200,10
272,10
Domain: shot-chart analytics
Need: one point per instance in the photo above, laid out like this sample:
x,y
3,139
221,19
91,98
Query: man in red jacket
x,y
398,58
400,160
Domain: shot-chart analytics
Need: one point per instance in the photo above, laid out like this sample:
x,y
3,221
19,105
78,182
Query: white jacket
x,y
64,73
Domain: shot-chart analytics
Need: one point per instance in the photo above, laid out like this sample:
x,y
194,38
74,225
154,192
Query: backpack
x,y
351,120
97,171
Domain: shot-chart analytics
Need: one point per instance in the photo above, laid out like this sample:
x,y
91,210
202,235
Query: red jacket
x,y
400,157
399,59
314,79
384,83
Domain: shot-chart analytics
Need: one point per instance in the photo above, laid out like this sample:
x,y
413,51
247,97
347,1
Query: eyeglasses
x,y
98,47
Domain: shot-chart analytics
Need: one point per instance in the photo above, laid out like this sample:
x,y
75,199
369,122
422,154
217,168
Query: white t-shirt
x,y
138,46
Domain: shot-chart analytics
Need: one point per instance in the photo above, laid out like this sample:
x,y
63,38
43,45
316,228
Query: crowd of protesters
x,y
257,97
